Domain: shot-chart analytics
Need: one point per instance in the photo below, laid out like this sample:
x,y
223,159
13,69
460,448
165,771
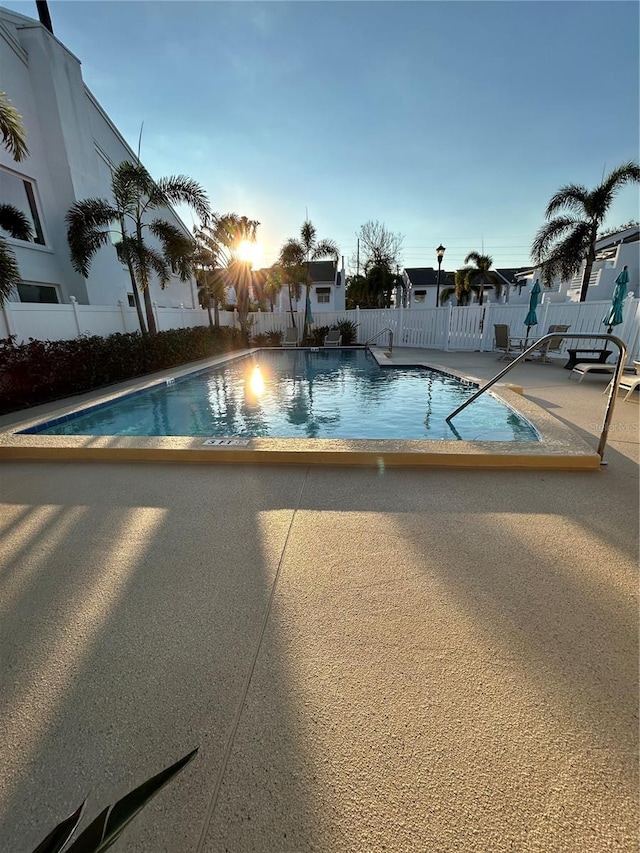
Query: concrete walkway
x,y
395,660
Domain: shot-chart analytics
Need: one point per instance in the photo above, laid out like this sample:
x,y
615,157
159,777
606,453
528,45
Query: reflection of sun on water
x,y
256,382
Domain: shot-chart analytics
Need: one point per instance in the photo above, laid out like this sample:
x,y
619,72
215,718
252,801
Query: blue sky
x,y
450,122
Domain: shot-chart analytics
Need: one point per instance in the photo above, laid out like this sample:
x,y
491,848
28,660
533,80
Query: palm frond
x,y
572,197
323,249
15,222
292,253
179,189
9,271
566,257
131,183
308,235
12,129
446,293
549,235
150,259
483,262
88,230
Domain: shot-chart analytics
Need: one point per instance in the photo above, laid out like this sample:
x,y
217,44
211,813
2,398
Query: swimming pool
x,y
334,394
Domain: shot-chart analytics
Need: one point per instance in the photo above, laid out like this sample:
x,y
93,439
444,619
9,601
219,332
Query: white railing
x,y
450,328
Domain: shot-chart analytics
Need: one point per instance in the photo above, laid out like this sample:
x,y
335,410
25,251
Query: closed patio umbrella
x,y
532,319
614,315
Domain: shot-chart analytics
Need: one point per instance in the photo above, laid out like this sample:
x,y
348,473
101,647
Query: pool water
x,y
302,394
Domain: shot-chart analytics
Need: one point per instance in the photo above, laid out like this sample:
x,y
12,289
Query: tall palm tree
x,y
93,222
227,236
12,220
273,284
562,244
209,263
297,255
481,275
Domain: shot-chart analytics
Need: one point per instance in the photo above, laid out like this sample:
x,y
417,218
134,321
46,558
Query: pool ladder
x,y
622,355
377,335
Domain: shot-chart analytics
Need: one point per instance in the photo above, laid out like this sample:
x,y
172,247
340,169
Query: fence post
x,y
123,315
400,341
485,321
545,328
357,324
154,308
182,315
74,305
447,331
8,319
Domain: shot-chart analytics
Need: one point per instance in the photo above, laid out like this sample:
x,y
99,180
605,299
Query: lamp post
x,y
440,252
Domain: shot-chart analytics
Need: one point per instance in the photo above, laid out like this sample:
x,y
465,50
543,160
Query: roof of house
x,y
427,276
509,273
323,271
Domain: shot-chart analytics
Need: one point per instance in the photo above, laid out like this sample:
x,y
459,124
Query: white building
x,y
327,290
73,145
612,253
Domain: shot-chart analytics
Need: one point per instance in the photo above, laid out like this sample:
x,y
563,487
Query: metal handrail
x,y
536,345
377,335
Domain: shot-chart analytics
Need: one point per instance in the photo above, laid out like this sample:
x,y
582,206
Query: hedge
x,y
41,371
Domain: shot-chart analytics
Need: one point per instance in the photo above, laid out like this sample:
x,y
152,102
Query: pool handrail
x,y
622,357
377,335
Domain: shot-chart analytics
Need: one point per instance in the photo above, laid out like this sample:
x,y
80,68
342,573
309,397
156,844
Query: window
x,y
132,301
323,295
37,293
419,296
19,193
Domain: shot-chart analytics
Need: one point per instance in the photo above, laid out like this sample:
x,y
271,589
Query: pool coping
x,y
559,448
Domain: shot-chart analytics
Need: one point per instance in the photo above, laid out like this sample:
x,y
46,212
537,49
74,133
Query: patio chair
x,y
553,345
628,383
290,337
504,342
333,338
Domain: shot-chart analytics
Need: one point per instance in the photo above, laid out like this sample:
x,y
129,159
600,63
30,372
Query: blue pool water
x,y
302,394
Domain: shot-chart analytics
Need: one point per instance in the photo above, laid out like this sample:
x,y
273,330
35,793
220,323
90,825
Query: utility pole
x,y
358,259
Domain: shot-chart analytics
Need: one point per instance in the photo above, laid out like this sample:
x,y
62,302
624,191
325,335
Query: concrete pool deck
x,y
399,660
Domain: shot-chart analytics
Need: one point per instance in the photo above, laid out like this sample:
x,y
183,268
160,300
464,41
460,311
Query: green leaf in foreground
x,y
105,830
57,838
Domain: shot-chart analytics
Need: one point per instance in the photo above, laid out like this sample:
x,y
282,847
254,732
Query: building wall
x,y
72,146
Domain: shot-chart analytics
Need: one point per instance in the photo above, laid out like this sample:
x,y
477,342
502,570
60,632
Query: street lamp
x,y
440,251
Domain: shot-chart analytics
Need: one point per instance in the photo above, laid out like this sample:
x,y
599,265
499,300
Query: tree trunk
x,y
216,313
587,273
134,284
293,319
144,285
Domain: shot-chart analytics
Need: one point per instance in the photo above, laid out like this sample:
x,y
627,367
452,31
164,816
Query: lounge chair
x,y
333,338
503,342
582,368
628,383
290,337
553,345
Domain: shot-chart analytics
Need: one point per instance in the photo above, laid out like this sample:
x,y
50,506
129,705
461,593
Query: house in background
x,y
421,285
612,253
73,146
327,290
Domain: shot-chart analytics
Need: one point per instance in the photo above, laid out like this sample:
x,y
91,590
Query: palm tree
x,y
480,275
209,263
297,255
562,244
11,219
230,234
273,284
93,222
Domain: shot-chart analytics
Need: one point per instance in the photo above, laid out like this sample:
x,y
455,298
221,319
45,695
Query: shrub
x,y
349,331
40,371
275,338
260,340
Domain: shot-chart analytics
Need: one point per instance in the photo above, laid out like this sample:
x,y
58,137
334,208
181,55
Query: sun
x,y
250,252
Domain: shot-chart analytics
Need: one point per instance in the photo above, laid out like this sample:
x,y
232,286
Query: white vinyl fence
x,y
449,328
